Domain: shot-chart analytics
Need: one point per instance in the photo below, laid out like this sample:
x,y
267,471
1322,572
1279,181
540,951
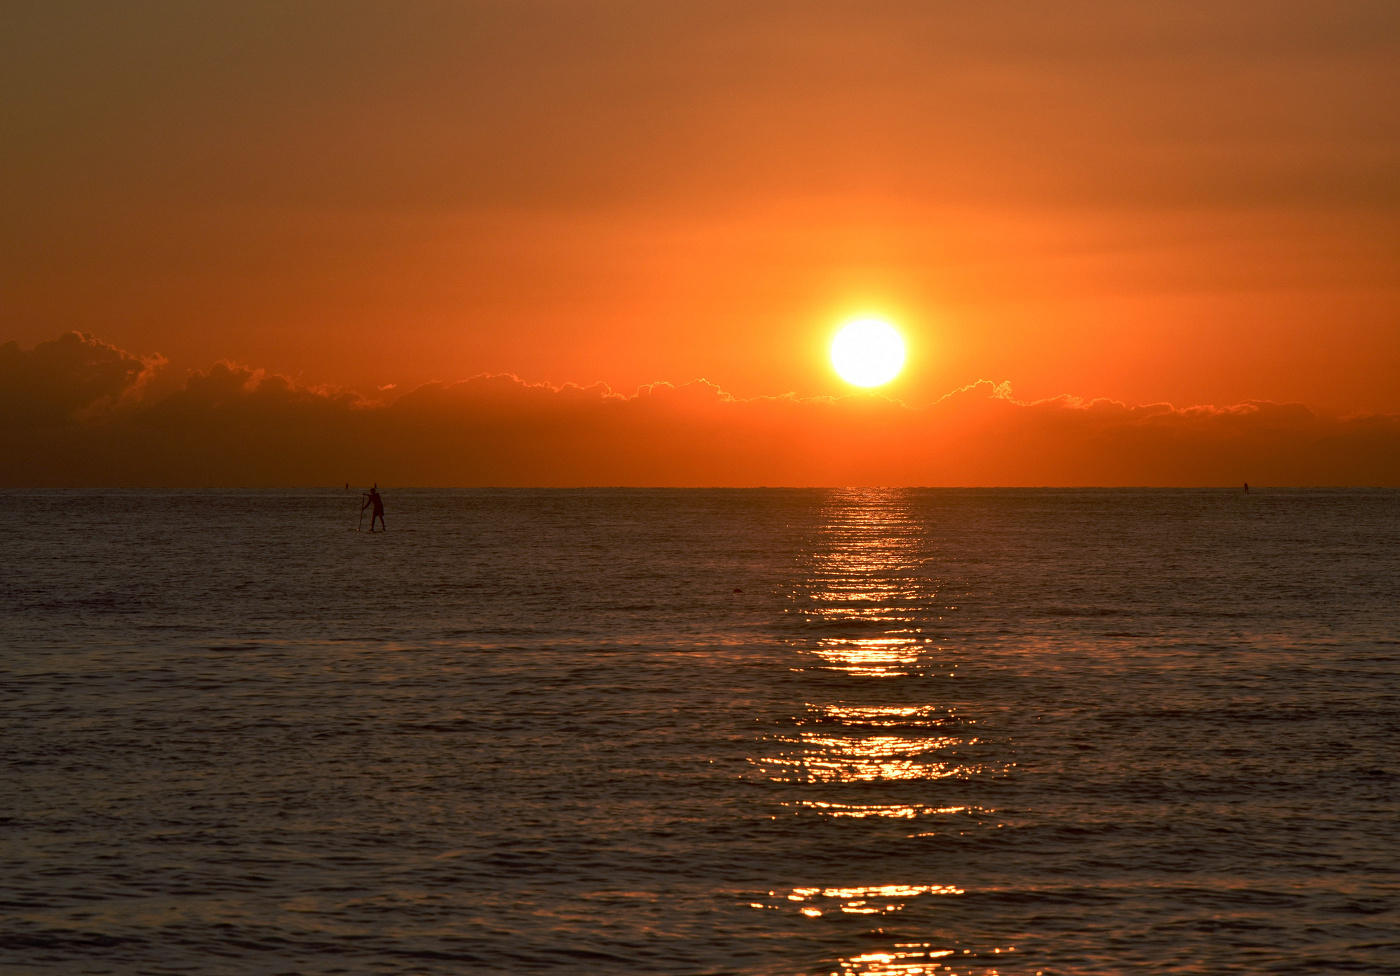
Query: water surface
x,y
770,733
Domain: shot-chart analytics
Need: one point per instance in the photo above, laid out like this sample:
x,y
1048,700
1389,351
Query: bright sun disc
x,y
867,352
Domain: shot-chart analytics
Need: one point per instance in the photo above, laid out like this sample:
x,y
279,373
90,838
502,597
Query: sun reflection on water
x,y
875,656
912,961
916,959
903,810
888,714
825,758
858,900
870,608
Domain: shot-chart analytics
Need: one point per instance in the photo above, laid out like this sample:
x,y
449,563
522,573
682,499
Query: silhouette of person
x,y
1246,487
372,498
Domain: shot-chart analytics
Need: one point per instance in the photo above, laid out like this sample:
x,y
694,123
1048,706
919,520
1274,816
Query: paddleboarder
x,y
372,500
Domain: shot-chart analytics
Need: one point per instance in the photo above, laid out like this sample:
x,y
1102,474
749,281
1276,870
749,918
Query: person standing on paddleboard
x,y
372,499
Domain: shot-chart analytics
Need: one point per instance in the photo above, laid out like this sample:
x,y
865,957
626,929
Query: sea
x,y
873,732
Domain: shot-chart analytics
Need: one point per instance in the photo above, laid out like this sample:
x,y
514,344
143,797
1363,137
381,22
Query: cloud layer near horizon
x,y
78,412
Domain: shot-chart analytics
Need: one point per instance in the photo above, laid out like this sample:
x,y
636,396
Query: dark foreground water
x,y
953,732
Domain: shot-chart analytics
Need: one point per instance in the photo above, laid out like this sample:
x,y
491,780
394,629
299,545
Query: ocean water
x,y
769,732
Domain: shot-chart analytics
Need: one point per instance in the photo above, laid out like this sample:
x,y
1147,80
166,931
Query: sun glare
x,y
867,352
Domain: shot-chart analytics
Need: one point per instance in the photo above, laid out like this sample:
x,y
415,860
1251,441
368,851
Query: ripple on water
x,y
542,732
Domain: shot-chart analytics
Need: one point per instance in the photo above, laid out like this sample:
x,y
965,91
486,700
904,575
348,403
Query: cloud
x,y
74,376
77,412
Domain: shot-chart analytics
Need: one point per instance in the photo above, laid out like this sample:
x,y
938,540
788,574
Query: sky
x,y
1121,215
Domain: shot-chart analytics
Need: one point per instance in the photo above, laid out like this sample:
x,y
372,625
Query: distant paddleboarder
x,y
1246,487
373,501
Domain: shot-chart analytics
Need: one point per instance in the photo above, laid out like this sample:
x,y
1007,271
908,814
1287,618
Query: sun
x,y
867,352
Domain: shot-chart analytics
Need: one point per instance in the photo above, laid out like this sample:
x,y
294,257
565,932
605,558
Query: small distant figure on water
x,y
1246,487
373,501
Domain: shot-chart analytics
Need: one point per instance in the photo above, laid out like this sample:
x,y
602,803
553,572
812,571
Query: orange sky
x,y
1196,203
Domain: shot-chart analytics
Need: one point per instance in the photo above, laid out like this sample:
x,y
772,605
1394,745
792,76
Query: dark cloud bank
x,y
78,412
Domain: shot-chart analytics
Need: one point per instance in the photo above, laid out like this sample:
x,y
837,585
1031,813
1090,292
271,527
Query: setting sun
x,y
867,352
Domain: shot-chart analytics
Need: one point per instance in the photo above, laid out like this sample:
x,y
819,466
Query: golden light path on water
x,y
872,604
835,759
